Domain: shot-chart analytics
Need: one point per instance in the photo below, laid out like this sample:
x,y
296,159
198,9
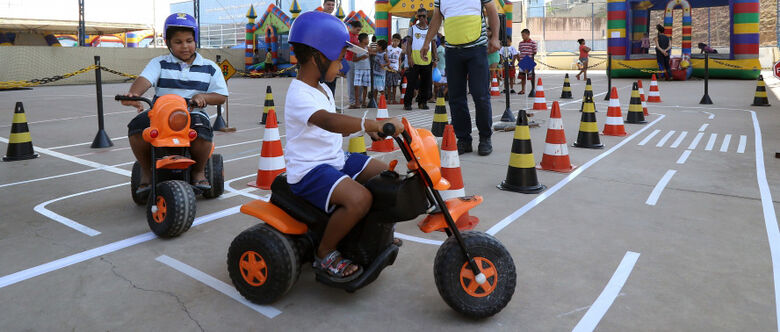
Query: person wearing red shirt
x,y
584,50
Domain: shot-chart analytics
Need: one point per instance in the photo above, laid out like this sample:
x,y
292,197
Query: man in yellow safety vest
x,y
466,46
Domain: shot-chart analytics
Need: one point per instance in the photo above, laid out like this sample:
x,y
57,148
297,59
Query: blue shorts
x,y
317,185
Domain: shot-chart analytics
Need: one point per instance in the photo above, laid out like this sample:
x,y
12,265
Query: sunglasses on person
x,y
422,16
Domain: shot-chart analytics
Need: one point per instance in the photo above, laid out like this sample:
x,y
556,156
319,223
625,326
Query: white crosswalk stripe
x,y
712,141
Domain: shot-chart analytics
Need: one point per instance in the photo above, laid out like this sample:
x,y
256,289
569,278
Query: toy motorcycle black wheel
x,y
172,210
215,174
456,281
263,264
135,181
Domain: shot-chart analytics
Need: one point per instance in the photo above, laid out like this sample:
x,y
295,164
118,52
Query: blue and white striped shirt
x,y
169,75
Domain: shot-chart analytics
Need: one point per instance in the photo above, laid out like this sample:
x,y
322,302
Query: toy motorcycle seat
x,y
297,207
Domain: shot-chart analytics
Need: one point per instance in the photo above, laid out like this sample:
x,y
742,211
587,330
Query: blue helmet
x,y
180,20
323,32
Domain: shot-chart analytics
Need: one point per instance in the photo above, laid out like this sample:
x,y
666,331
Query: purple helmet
x,y
181,20
323,32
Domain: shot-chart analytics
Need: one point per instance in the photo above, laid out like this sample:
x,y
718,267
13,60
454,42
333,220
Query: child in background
x,y
584,51
526,48
269,62
493,60
362,74
509,54
393,75
380,68
645,43
441,65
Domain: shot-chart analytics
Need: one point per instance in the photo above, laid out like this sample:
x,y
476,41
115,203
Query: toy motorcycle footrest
x,y
298,208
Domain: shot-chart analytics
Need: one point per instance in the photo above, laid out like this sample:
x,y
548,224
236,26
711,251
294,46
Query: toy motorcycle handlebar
x,y
190,103
388,129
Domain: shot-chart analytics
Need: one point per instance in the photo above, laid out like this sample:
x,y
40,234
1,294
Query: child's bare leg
x,y
353,201
357,93
373,168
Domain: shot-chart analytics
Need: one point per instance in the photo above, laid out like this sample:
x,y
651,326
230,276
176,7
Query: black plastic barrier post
x,y
219,122
609,76
101,139
508,120
706,98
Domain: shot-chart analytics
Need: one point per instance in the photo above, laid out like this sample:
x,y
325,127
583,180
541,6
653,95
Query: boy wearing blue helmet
x,y
186,73
318,170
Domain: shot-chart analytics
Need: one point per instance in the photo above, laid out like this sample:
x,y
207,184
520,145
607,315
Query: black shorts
x,y
198,121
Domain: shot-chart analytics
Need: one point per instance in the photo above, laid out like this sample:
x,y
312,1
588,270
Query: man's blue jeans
x,y
471,62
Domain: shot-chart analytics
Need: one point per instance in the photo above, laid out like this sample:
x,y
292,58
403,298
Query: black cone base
x,y
522,189
566,95
219,123
265,115
101,140
705,100
508,116
17,152
639,118
760,102
588,141
372,103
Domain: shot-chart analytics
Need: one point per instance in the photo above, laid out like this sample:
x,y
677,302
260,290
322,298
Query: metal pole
x,y
371,100
592,17
609,75
196,12
101,139
706,98
82,26
709,26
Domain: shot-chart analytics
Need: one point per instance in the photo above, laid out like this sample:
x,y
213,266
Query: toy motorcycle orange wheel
x,y
263,264
171,211
458,285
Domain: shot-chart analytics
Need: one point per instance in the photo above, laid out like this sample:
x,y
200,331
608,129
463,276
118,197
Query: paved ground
x,y
593,250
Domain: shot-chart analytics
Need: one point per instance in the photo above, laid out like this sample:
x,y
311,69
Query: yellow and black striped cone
x,y
588,94
20,145
357,145
440,119
268,104
635,112
760,99
588,137
521,175
566,92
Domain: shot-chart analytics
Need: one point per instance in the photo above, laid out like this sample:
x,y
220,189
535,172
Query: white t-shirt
x,y
308,145
394,56
508,52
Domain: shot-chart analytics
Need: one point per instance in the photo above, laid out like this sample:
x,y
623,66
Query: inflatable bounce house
x,y
629,20
271,31
386,9
9,39
131,39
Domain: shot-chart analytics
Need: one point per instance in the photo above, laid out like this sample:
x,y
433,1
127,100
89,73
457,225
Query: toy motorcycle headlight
x,y
177,120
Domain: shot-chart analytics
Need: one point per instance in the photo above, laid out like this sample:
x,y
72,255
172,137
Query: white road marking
x,y
695,141
83,143
679,140
596,312
770,218
552,190
704,127
711,142
665,138
684,157
217,285
725,146
77,160
659,187
64,262
742,143
71,118
41,208
649,137
47,178
418,239
712,116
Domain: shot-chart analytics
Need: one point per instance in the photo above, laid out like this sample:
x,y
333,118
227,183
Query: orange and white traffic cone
x,y
271,155
642,97
614,124
494,92
403,89
384,145
556,154
654,96
450,170
540,103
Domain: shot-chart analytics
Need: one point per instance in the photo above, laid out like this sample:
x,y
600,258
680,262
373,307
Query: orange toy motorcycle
x,y
474,273
170,204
